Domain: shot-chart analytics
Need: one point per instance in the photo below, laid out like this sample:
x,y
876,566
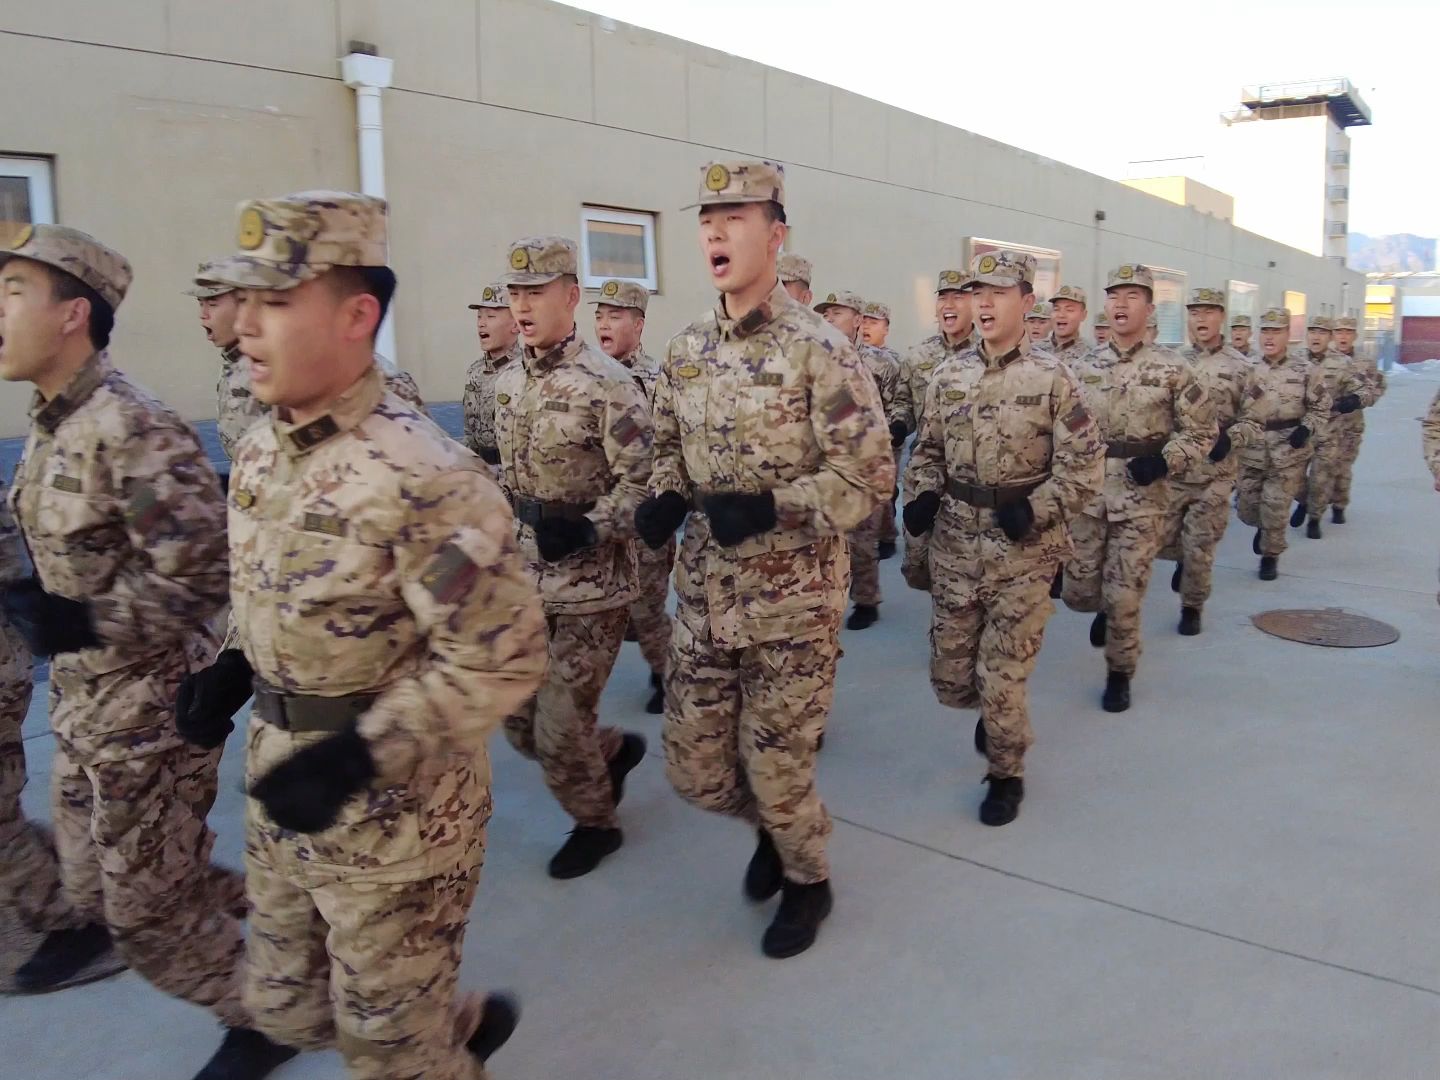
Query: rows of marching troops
x,y
389,597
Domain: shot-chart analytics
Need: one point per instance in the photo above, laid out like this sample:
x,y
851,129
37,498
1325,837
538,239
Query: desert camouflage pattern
x,y
724,182
952,281
539,260
1332,442
1071,292
237,409
864,539
792,267
1067,352
1349,428
76,253
1430,443
1207,297
402,384
477,403
1130,274
889,533
623,294
1044,311
573,427
1275,318
291,239
1004,268
494,295
996,422
206,288
874,309
1239,321
644,369
1110,572
842,298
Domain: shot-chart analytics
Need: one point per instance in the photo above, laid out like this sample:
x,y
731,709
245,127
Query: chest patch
x,y
557,406
1027,399
769,378
68,484
324,524
687,371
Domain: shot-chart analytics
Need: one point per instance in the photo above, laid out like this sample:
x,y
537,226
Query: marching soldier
x,y
874,332
382,611
1200,496
770,427
619,326
236,410
1040,323
1152,329
1102,328
1430,443
1344,383
500,340
1240,337
1156,421
795,274
1006,458
1350,427
1067,343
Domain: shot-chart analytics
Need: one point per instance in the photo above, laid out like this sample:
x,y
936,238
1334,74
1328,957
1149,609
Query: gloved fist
x,y
735,516
1221,450
1147,468
1347,403
1015,519
1300,436
490,455
209,699
898,434
657,518
49,624
919,513
558,537
305,792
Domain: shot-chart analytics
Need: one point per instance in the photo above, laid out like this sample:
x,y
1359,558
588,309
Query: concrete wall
x,y
1183,191
162,114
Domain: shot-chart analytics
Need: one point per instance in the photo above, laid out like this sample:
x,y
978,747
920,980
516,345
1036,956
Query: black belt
x,y
489,454
308,712
533,511
1281,425
1132,448
990,497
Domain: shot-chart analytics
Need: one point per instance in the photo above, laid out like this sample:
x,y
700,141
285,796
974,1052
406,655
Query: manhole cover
x,y
1326,626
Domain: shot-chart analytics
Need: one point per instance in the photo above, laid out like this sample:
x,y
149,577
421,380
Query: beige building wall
x,y
162,114
1183,191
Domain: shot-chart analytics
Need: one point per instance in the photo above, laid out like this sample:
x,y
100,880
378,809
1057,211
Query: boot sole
x,y
796,950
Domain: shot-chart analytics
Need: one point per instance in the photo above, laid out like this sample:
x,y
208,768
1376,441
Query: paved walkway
x,y
1236,879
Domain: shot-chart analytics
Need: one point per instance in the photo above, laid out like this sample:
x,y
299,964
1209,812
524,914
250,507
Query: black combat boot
x,y
1189,621
1002,801
1298,517
497,1024
887,550
584,850
802,909
245,1054
1269,567
63,955
630,754
1255,544
982,745
1312,530
1097,631
1117,692
765,874
1057,584
863,617
656,705
1337,515
1176,576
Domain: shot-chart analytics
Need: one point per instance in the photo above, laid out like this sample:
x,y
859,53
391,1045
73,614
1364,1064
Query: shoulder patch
x,y
625,430
1077,419
1195,394
841,406
145,509
450,576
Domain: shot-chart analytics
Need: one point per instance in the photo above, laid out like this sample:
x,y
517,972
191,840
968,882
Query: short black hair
x,y
377,281
775,212
1026,289
66,286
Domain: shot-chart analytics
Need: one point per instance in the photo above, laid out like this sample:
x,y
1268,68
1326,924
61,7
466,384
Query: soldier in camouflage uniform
x,y
619,326
795,273
382,610
875,332
1286,402
955,337
500,338
1430,444
574,439
1200,496
236,410
123,518
1007,457
843,310
1348,393
1040,323
1240,330
1067,343
1349,428
1102,328
1156,421
770,427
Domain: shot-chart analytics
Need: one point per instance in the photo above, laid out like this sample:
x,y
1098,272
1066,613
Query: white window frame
x,y
41,175
645,219
1171,277
1242,298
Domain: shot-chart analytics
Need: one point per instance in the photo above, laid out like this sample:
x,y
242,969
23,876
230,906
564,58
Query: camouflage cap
x,y
1206,298
1275,318
206,288
1347,322
626,294
842,299
874,309
792,267
1101,319
723,182
1041,310
539,260
494,295
1071,292
291,239
75,253
1003,267
952,281
1319,322
1131,274
1239,321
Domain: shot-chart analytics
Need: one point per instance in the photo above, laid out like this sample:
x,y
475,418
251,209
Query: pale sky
x,y
1098,86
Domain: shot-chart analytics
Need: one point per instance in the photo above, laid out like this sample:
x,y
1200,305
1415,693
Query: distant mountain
x,y
1391,254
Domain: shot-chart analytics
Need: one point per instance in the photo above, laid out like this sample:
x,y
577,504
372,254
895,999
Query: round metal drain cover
x,y
1330,627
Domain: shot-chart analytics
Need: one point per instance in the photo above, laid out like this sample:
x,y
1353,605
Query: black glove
x,y
305,792
210,698
1347,403
1300,436
1147,468
1015,519
49,624
898,434
1221,450
490,455
919,513
736,515
657,518
558,537
224,483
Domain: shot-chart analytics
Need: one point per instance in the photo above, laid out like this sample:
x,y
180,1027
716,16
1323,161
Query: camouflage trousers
x,y
1194,526
740,734
1350,437
985,635
864,542
1110,572
889,533
915,563
647,611
1271,478
369,968
559,728
1322,477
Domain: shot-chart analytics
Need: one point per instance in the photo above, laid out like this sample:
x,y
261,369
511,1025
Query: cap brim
x,y
1206,304
208,292
729,200
614,304
248,272
820,309
489,307
530,279
997,279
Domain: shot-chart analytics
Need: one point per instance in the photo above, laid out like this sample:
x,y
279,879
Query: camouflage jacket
x,y
14,659
1223,373
776,401
916,371
884,368
998,422
1070,351
478,401
1289,390
370,554
1342,377
401,383
573,427
1147,394
237,410
1430,437
644,369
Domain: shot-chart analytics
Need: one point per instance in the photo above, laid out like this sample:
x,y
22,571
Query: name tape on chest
x,y
557,406
67,484
325,524
769,378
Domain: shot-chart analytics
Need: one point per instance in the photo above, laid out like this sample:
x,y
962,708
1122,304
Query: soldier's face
x,y
740,245
954,312
1318,340
1102,335
217,316
1127,307
1273,340
545,313
1345,340
1240,338
1069,317
874,331
33,324
1037,329
496,328
799,292
1000,314
1205,323
618,329
844,319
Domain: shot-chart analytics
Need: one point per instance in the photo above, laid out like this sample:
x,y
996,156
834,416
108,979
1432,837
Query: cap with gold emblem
x,y
1101,319
1041,310
1319,322
842,299
1275,318
1070,292
1206,298
875,310
1003,268
73,252
206,288
792,267
494,295
1241,321
952,281
1347,322
539,260
723,182
626,294
1131,274
292,239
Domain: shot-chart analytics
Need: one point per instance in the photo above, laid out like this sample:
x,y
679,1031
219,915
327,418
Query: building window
x,y
1170,321
1295,302
27,194
1047,262
617,244
1242,299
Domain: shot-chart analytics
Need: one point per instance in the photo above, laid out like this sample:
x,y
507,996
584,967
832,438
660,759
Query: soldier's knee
x,y
714,790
